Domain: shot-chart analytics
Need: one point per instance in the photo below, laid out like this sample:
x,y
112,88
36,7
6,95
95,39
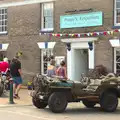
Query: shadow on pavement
x,y
85,111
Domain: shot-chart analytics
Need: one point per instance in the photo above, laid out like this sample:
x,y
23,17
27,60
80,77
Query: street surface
x,y
74,111
23,110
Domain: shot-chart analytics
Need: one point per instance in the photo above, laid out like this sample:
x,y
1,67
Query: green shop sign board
x,y
81,20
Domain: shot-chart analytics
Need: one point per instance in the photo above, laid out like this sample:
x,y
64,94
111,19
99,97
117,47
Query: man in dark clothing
x,y
15,71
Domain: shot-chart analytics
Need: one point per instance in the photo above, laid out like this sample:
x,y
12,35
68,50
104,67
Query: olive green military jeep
x,y
57,93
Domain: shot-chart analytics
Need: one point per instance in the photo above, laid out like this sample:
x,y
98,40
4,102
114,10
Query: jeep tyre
x,y
89,104
57,102
37,103
109,102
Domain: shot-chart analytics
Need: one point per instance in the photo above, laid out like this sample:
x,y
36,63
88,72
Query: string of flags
x,y
82,34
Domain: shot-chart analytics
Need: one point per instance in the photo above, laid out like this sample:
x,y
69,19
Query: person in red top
x,y
4,65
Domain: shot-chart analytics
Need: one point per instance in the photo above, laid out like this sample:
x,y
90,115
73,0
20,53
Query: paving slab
x,y
25,99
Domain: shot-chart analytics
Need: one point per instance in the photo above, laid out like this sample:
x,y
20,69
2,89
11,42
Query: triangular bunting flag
x,y
116,30
88,34
91,34
61,35
79,35
105,33
53,34
111,32
72,35
94,33
98,33
108,32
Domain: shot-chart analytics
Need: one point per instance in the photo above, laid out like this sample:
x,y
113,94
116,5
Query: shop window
x,y
3,20
47,55
117,61
47,17
117,12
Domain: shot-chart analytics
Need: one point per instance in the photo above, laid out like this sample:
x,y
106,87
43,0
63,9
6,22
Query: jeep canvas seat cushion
x,y
79,85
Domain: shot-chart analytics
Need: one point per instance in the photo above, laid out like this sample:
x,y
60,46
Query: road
x,y
74,111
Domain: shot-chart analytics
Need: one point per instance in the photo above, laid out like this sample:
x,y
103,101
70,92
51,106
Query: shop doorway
x,y
80,58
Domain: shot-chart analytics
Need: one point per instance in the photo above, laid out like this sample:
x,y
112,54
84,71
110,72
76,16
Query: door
x,y
80,58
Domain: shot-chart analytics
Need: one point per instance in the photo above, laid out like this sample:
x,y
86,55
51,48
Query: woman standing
x,y
51,68
61,71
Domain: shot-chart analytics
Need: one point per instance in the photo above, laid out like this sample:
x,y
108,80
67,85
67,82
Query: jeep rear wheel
x,y
89,104
37,103
57,102
109,102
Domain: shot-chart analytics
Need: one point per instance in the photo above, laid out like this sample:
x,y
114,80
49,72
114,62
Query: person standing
x,y
61,71
15,71
51,68
4,65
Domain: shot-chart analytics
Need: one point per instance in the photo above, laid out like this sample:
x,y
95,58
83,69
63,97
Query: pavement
x,y
78,112
23,109
25,98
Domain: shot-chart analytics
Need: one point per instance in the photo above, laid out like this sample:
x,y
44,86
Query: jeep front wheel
x,y
57,102
109,102
37,103
89,104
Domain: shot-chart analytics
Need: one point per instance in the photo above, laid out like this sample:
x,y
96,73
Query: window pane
x,y
118,66
48,22
117,58
5,28
2,11
48,12
118,19
6,11
118,12
5,16
118,4
0,17
5,22
0,29
2,22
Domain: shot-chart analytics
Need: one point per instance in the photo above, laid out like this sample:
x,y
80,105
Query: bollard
x,y
11,92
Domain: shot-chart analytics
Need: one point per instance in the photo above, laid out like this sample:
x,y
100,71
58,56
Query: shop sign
x,y
81,20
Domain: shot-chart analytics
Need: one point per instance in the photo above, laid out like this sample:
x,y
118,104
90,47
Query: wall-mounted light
x,y
68,46
90,44
115,42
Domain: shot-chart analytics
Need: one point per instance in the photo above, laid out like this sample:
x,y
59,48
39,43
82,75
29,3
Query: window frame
x,y
42,60
115,14
4,32
42,18
115,62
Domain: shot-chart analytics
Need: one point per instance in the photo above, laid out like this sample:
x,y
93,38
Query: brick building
x,y
22,25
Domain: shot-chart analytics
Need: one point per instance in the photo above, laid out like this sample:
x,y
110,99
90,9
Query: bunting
x,y
78,35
